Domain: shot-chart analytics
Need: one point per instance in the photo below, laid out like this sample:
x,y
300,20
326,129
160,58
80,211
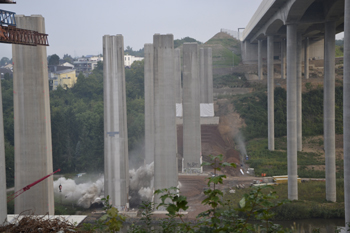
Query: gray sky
x,y
76,27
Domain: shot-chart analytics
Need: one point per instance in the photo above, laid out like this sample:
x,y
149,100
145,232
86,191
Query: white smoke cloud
x,y
85,194
82,194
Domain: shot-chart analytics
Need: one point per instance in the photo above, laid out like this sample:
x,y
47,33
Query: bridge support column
x,y
115,123
329,109
292,111
3,194
191,109
346,114
260,60
149,104
31,105
283,58
177,68
299,93
165,160
270,92
306,58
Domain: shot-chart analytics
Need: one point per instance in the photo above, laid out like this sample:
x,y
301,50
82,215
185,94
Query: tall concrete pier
x,y
116,174
329,110
306,58
33,148
346,114
270,93
292,111
191,111
299,93
3,199
283,58
149,104
206,75
177,70
260,60
165,161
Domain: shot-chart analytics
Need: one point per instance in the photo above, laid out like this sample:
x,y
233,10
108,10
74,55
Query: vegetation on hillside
x,y
179,42
253,109
226,50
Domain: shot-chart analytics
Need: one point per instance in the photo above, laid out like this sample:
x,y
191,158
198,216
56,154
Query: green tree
x,y
54,60
4,61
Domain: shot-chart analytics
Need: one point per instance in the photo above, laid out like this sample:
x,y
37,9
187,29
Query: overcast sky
x,y
76,27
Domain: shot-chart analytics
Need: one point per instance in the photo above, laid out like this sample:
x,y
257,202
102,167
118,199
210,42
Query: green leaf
x,y
242,203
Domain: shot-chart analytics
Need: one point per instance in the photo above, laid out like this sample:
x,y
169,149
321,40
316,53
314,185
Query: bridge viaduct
x,y
295,31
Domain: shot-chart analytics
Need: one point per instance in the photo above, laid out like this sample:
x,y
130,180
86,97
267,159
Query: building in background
x,y
64,76
129,59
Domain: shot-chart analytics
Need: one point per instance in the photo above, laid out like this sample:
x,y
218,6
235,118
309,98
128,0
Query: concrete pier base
x,y
191,110
292,111
270,93
346,114
115,122
33,147
3,196
329,110
149,104
165,160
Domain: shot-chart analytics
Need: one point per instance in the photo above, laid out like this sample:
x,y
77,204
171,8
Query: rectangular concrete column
x,y
115,122
208,61
202,77
346,112
177,70
329,110
299,93
165,168
191,110
33,147
306,58
283,58
260,60
292,111
3,196
149,104
270,93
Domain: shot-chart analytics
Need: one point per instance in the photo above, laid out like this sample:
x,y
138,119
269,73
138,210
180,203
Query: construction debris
x,y
33,223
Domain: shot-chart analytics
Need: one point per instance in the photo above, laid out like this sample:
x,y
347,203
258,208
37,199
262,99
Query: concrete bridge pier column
x,y
3,196
283,58
346,113
165,160
149,104
292,111
329,109
299,93
260,60
191,109
177,69
32,124
306,58
116,172
270,92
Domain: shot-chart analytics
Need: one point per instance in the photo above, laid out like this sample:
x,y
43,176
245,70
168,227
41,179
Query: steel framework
x,y
15,35
7,18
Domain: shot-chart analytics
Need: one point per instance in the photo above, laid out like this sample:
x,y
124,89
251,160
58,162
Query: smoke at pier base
x,y
88,193
141,184
83,194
